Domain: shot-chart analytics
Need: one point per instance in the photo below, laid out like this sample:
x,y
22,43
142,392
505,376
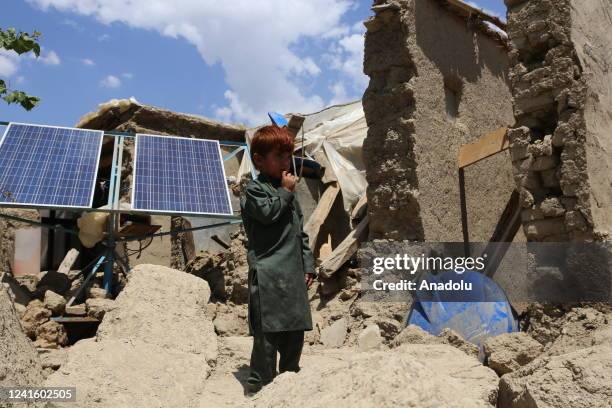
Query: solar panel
x,y
48,166
179,175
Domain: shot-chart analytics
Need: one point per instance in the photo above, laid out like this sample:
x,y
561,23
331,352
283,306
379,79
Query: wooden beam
x,y
470,10
488,145
320,213
344,251
505,231
68,261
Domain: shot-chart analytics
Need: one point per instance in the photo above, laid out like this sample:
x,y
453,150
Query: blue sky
x,y
231,61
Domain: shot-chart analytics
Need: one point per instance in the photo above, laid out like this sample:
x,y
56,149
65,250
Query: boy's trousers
x,y
263,356
288,344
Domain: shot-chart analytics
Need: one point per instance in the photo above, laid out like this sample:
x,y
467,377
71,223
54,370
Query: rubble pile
x,y
159,333
39,298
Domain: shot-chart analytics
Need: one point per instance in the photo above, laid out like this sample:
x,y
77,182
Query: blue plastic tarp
x,y
477,314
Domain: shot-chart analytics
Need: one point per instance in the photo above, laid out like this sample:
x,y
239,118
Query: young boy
x,y
281,265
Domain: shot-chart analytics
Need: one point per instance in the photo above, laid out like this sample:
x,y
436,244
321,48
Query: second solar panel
x,y
179,175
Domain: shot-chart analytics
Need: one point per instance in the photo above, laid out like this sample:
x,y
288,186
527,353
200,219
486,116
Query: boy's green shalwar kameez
x,y
279,257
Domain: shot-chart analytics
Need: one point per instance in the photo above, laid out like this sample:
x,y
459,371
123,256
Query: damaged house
x,y
438,80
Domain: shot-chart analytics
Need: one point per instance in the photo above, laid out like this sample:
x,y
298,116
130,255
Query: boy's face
x,y
273,163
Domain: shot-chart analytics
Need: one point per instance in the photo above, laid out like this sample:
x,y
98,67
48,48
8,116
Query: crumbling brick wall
x,y
561,144
437,81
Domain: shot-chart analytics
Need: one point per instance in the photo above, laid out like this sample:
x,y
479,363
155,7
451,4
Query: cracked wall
x,y
437,81
561,143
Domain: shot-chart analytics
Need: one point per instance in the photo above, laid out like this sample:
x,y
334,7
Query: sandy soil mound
x,y
19,362
577,379
153,350
409,376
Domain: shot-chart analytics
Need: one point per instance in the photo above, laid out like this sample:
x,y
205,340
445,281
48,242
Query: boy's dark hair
x,y
270,138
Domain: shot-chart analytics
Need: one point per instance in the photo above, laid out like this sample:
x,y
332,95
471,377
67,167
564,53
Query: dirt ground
x,y
158,347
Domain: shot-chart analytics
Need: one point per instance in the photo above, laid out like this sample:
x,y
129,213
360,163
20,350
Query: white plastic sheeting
x,y
339,131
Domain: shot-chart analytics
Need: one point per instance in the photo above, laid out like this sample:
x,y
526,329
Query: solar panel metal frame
x,y
168,212
46,206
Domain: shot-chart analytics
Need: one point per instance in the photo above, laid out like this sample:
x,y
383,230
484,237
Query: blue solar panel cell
x,y
179,175
48,166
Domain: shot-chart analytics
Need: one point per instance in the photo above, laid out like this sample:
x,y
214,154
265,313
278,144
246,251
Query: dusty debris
x,y
335,334
51,334
19,362
231,320
581,328
97,293
411,375
226,272
77,310
54,302
52,359
18,292
448,336
369,338
35,315
509,352
158,331
580,378
98,307
412,334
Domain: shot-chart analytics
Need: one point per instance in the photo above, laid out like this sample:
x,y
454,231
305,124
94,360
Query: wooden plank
x,y
68,261
75,319
344,251
220,241
488,145
319,215
505,231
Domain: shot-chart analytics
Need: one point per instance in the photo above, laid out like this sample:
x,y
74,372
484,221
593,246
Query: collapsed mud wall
x,y
437,81
562,140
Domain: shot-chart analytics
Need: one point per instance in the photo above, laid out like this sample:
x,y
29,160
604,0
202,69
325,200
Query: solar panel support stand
x,y
109,256
114,195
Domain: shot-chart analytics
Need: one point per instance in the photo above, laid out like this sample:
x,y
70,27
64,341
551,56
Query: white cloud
x,y
127,75
250,39
20,79
103,37
346,56
9,63
110,81
88,62
339,93
71,23
49,57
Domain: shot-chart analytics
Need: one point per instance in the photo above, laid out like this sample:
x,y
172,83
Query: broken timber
x,y
68,261
344,251
488,145
319,215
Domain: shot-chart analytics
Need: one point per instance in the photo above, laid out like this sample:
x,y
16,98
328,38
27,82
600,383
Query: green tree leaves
x,y
21,43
